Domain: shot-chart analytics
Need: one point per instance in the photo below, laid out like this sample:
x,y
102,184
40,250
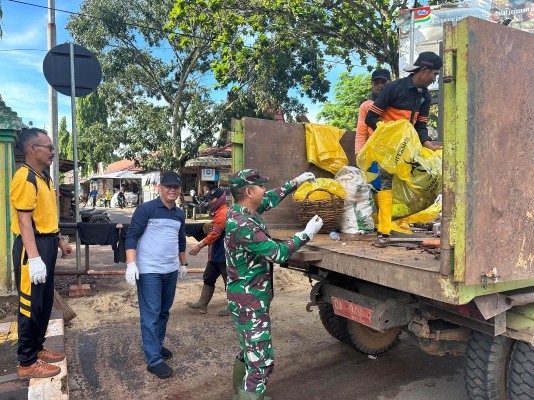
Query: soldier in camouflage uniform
x,y
250,253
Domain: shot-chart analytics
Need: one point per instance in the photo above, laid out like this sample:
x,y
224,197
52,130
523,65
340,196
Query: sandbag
x,y
358,206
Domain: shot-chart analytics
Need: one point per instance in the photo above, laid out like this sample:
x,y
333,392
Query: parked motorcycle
x,y
199,205
95,216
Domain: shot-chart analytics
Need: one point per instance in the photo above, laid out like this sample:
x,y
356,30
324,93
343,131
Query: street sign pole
x,y
52,101
75,156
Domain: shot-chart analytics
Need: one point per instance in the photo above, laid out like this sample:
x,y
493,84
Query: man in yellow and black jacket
x,y
406,98
35,221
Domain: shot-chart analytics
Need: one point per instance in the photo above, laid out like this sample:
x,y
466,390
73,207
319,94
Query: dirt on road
x,y
106,360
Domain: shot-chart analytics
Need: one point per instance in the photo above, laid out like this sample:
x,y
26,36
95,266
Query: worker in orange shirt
x,y
216,257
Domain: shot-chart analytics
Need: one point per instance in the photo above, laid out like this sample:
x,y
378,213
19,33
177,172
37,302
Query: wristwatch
x,y
61,237
185,265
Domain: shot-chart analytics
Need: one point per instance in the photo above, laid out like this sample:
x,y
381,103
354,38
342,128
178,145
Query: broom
x,y
62,305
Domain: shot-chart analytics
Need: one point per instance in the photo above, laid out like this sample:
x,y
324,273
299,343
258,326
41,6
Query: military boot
x,y
237,376
202,304
242,395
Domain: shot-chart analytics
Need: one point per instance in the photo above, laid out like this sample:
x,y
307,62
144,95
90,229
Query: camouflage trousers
x,y
254,330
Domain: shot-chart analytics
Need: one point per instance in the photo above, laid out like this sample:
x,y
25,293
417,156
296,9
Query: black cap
x,y
170,178
427,59
214,194
381,73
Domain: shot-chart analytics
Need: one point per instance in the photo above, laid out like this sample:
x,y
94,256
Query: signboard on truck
x,y
428,23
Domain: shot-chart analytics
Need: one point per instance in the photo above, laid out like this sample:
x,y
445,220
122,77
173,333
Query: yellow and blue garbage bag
x,y
416,170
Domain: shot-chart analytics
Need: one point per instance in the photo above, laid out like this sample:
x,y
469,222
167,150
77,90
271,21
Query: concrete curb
x,y
55,388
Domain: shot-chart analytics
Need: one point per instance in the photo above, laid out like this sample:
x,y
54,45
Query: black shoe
x,y
165,353
161,370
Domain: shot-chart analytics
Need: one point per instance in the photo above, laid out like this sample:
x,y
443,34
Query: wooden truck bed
x,y
414,271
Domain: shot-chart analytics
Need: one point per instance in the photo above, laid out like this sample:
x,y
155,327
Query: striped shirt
x,y
157,233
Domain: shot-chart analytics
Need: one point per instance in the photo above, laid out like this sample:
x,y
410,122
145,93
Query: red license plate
x,y
352,311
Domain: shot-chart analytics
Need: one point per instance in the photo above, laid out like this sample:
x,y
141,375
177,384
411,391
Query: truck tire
x,y
370,341
521,373
334,324
486,366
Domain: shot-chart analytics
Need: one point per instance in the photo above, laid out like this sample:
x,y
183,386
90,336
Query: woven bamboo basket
x,y
329,210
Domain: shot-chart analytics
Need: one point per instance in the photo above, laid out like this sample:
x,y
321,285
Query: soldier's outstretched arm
x,y
273,197
259,243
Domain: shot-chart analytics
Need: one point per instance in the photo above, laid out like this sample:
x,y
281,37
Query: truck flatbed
x,y
390,266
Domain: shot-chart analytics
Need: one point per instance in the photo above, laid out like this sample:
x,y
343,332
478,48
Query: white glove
x,y
314,225
306,176
182,270
132,273
37,270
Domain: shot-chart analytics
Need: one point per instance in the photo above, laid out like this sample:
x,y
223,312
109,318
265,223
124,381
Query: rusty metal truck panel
x,y
279,150
488,143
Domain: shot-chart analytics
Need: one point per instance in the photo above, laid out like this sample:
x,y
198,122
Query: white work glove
x,y
37,270
182,270
314,225
132,273
306,176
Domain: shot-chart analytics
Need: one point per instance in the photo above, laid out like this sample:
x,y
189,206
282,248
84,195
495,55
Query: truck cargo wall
x,y
278,150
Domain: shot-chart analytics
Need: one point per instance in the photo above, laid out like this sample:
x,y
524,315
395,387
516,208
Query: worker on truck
x,y
379,78
406,98
250,254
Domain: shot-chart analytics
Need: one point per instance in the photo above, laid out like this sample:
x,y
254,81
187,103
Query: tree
x,y
93,134
160,108
349,93
65,140
344,27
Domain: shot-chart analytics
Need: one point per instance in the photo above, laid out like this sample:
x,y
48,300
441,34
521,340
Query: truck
x,y
474,298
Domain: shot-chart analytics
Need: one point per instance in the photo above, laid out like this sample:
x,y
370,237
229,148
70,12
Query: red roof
x,y
225,151
122,165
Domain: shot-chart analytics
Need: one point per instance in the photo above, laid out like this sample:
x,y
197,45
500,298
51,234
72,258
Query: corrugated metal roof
x,y
117,175
209,162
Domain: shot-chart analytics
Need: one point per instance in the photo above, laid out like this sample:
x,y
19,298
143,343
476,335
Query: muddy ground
x,y
106,360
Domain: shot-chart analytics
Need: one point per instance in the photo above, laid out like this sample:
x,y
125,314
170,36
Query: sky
x,y
22,84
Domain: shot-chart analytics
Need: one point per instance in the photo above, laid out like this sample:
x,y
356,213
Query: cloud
x,y
30,37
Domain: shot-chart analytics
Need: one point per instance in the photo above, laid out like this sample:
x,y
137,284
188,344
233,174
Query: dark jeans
x,y
107,203
155,293
213,271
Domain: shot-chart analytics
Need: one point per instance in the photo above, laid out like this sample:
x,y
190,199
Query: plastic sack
x,y
323,148
417,172
358,206
428,215
323,183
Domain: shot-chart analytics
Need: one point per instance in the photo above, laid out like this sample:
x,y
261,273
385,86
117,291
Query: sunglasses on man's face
x,y
48,146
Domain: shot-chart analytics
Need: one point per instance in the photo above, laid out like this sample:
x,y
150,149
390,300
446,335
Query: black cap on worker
x,y
214,194
381,73
170,178
427,59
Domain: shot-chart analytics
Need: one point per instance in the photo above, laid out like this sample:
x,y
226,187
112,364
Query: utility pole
x,y
52,101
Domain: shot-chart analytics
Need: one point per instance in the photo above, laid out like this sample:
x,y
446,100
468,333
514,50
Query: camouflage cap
x,y
246,177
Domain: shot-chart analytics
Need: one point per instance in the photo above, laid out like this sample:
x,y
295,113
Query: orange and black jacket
x,y
400,99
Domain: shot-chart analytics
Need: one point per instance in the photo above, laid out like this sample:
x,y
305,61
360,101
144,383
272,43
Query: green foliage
x,y
160,112
345,28
349,93
93,134
65,140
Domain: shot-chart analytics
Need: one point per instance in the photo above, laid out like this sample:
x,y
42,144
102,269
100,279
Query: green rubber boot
x,y
202,304
242,395
238,375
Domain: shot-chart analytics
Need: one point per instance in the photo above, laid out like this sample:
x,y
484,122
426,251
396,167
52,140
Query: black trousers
x,y
35,301
213,271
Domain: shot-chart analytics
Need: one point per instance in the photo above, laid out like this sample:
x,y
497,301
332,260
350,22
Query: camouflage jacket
x,y
249,251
